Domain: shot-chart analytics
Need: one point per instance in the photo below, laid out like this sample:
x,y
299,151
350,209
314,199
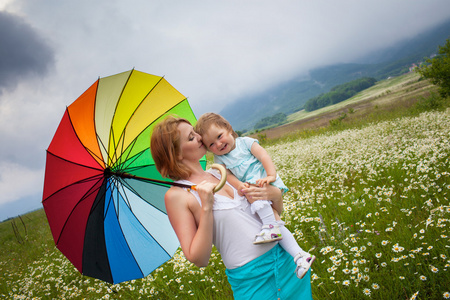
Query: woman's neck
x,y
198,175
196,169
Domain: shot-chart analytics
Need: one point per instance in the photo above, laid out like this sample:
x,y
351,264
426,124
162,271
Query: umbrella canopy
x,y
109,226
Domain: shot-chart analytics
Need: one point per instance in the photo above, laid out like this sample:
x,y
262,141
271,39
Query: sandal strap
x,y
268,233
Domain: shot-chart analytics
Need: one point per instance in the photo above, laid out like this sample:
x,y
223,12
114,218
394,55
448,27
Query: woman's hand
x,y
268,192
205,190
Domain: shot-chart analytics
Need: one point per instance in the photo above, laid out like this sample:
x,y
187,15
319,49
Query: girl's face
x,y
191,146
218,140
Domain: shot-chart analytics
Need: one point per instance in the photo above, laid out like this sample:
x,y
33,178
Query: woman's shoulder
x,y
176,194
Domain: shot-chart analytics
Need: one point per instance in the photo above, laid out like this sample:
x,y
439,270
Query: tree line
x,y
276,119
339,93
437,70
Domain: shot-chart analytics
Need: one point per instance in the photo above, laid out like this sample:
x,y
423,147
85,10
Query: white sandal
x,y
269,233
303,261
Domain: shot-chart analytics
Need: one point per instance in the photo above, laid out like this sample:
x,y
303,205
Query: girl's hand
x,y
241,186
264,181
205,190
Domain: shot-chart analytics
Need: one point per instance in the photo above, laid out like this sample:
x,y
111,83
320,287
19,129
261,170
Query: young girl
x,y
248,163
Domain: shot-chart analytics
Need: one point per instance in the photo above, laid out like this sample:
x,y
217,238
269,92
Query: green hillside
x,y
339,93
292,95
391,98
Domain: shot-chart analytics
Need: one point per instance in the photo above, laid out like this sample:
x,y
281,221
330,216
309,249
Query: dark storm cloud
x,y
22,51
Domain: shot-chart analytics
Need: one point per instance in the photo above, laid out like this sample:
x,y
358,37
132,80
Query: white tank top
x,y
235,228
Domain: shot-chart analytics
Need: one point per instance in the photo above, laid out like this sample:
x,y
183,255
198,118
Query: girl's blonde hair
x,y
208,119
165,148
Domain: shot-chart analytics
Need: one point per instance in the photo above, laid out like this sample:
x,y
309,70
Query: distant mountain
x,y
292,95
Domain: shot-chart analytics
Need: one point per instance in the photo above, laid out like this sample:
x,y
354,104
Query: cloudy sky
x,y
213,52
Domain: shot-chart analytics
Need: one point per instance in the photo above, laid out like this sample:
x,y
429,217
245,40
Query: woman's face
x,y
191,145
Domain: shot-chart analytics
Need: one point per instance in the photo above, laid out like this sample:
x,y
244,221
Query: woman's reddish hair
x,y
165,148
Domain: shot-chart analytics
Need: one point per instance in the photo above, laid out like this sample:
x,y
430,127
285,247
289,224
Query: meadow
x,y
383,91
372,203
387,99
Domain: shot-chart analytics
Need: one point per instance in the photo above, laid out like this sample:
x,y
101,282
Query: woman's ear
x,y
180,157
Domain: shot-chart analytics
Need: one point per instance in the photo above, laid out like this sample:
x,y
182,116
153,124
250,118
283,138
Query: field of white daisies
x,y
372,204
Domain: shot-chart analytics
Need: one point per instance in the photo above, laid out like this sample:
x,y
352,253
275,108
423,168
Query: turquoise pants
x,y
270,276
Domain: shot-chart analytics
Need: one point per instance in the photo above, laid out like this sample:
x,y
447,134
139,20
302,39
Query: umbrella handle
x,y
223,174
223,179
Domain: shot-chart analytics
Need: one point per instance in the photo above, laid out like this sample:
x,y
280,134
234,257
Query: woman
x,y
201,218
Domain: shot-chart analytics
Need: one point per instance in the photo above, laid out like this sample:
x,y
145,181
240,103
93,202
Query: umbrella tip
x,y
107,172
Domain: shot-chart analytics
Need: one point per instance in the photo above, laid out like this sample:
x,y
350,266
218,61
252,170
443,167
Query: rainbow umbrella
x,y
103,197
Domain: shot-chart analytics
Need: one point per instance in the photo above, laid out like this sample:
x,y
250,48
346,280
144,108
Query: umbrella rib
x,y
113,187
127,162
88,193
136,193
80,181
122,136
127,202
111,156
75,163
162,182
132,144
94,155
103,147
129,206
125,197
120,160
136,168
110,159
108,204
185,99
99,141
76,134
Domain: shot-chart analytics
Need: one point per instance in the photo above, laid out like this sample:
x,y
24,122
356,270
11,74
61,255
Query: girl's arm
x,y
265,191
261,154
236,183
195,239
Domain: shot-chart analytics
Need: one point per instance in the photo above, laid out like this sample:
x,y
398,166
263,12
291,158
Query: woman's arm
x,y
267,192
195,239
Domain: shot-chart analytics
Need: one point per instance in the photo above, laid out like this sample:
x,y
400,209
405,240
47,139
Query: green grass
x,y
370,201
